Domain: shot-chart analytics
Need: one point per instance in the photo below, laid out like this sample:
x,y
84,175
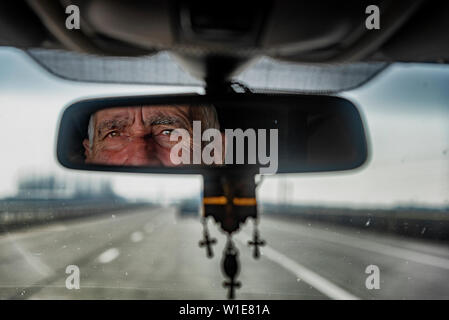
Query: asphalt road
x,y
153,254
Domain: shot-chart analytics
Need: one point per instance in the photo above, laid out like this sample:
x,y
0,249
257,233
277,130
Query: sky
x,y
405,110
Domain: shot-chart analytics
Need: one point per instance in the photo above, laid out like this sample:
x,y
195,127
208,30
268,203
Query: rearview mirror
x,y
205,134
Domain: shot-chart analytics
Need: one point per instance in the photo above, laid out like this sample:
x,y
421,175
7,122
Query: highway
x,y
154,254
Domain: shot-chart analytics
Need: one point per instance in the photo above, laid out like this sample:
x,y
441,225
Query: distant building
x,y
52,187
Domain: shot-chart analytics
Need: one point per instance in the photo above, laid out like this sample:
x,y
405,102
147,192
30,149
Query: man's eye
x,y
113,134
166,132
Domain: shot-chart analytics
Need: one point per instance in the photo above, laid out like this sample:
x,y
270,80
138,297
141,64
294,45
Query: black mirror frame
x,y
90,106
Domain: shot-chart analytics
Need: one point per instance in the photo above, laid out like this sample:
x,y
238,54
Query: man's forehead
x,y
147,111
112,113
168,110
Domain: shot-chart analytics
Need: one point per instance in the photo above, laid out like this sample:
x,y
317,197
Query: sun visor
x,y
265,74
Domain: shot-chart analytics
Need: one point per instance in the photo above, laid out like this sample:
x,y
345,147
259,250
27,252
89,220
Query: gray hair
x,y
207,115
90,130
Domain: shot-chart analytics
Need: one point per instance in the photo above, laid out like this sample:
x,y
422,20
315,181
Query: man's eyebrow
x,y
111,124
167,120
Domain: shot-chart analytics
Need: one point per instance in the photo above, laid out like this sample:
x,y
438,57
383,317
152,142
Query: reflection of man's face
x,y
138,136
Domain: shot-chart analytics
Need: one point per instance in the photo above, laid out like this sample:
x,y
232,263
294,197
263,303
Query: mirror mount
x,y
214,87
212,68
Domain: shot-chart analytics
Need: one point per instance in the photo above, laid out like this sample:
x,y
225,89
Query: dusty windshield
x,y
378,232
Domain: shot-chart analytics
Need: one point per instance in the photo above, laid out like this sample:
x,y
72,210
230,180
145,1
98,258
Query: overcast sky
x,y
406,112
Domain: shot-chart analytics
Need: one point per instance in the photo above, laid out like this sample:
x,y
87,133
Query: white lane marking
x,y
35,262
136,236
109,255
321,284
389,250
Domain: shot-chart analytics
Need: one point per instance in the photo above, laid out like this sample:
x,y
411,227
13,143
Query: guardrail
x,y
413,222
18,213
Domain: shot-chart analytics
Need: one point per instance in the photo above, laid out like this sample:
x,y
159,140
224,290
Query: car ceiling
x,y
220,37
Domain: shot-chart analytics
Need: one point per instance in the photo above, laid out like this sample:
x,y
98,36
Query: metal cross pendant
x,y
231,269
231,285
207,242
256,242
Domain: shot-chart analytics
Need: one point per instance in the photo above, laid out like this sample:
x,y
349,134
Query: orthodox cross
x,y
231,269
256,242
207,241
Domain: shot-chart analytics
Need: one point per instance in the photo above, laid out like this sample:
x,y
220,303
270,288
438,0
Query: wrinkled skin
x,y
136,136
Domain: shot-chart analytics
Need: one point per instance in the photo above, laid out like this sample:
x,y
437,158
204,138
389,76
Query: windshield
x,y
378,232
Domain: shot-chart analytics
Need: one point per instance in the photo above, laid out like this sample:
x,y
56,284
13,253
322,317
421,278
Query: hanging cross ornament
x,y
230,199
256,242
231,269
207,241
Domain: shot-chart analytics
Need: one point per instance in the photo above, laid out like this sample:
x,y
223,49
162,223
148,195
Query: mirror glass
x,y
146,135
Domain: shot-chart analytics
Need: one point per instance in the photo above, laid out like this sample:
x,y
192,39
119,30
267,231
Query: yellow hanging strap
x,y
221,201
